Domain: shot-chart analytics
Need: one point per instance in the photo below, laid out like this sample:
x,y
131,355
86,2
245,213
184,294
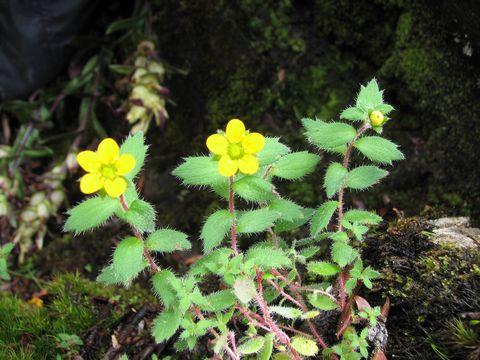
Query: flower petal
x,y
217,144
88,160
90,183
108,150
235,130
253,143
115,187
248,164
226,166
124,164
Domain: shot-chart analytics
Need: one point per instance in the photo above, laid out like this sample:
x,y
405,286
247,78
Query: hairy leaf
x,y
198,170
361,216
343,254
370,96
267,349
165,325
251,346
245,290
379,149
168,240
219,301
215,229
328,136
286,312
256,220
363,177
295,165
80,217
304,346
288,209
284,225
135,146
321,218
140,214
334,178
162,284
128,260
253,188
322,302
354,114
272,150
267,257
323,268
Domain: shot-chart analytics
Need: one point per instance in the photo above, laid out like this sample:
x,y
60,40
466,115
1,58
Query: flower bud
x,y
71,162
156,68
376,118
28,215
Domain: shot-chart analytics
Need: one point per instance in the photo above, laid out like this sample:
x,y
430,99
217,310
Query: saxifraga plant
x,y
263,305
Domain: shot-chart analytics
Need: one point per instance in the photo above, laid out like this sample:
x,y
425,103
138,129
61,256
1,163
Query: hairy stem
x,y
138,235
231,207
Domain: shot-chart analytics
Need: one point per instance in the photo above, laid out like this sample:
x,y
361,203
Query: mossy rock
x,y
430,286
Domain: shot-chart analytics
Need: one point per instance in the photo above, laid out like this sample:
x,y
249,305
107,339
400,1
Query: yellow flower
x,y
105,168
35,301
237,149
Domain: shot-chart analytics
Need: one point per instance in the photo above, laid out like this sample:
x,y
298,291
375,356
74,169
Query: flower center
x,y
235,151
108,171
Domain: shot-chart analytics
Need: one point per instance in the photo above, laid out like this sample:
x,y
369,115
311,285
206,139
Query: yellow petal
x,y
253,143
226,166
88,160
217,144
248,164
124,164
108,150
235,131
90,183
115,187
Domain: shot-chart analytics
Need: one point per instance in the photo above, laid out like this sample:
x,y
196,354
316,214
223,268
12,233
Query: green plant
x,y
5,250
262,296
68,344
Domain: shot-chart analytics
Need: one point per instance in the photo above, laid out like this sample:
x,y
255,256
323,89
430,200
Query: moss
x,y
429,285
73,305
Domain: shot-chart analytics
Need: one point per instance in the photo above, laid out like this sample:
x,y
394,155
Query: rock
x,y
455,231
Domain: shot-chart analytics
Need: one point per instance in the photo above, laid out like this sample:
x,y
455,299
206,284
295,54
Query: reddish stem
x,y
231,207
138,235
342,290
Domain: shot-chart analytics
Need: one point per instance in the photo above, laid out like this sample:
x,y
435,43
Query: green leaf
x,y
128,259
252,188
284,225
267,349
323,268
334,178
343,254
363,177
121,69
354,114
286,312
219,301
140,214
165,325
134,145
322,302
162,284
198,170
168,240
379,149
215,229
370,96
363,217
267,257
295,165
328,136
385,109
80,217
256,221
6,249
244,289
322,216
251,346
124,24
272,150
304,346
288,209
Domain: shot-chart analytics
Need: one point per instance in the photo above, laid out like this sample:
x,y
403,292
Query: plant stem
x,y
231,207
138,235
346,163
